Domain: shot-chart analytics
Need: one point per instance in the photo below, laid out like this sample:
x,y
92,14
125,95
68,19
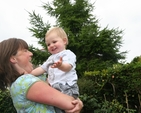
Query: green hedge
x,y
6,105
114,90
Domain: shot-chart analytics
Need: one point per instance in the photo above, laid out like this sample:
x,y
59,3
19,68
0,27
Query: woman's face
x,y
23,60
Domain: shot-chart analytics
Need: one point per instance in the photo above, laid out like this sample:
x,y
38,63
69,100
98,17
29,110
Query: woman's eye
x,y
25,50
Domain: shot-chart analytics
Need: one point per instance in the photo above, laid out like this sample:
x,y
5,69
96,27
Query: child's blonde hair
x,y
59,31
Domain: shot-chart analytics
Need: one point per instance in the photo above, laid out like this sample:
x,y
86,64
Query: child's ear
x,y
13,60
65,41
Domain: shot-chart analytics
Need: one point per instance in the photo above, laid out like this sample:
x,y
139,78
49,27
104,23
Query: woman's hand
x,y
78,106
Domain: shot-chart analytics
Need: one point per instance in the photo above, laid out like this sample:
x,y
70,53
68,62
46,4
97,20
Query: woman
x,y
29,93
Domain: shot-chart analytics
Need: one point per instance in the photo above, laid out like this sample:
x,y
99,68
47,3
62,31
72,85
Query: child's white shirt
x,y
55,75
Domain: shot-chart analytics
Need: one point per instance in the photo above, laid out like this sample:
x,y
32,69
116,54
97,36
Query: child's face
x,y
55,44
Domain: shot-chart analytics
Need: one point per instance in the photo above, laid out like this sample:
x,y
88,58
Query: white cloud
x,y
126,15
15,19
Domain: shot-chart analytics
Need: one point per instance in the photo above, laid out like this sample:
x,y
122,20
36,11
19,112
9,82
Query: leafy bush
x,y
6,104
111,90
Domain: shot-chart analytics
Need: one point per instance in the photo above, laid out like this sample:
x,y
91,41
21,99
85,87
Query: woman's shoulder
x,y
25,80
27,77
22,84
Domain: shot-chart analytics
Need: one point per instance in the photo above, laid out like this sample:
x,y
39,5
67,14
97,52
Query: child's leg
x,y
66,89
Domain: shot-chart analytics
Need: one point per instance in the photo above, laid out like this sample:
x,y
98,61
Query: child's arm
x,y
62,66
38,71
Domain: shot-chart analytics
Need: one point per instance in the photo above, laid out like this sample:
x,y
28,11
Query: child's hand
x,y
57,64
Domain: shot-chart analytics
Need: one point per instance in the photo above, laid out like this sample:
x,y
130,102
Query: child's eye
x,y
54,41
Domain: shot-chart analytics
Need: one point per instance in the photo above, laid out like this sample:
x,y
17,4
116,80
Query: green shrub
x,y
111,90
6,104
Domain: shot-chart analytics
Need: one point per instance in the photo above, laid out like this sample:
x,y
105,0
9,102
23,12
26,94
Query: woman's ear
x,y
13,60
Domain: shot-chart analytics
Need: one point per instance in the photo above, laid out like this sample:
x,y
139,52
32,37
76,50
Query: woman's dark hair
x,y
8,48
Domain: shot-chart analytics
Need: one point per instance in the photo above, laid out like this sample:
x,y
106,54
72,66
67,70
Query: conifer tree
x,y
96,48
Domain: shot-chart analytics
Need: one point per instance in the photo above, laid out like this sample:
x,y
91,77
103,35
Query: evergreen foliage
x,y
6,104
95,48
114,90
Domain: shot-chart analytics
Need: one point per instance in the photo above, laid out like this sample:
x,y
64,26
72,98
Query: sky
x,y
122,14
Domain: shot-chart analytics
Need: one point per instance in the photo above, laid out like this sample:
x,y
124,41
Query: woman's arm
x,y
41,92
78,107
